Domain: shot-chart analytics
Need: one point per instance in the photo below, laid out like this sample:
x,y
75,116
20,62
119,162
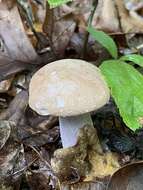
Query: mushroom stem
x,y
70,126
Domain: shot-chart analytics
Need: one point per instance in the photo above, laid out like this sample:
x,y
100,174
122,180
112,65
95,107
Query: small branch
x,y
94,5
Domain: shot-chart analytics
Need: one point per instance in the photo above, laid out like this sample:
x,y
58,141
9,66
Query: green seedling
x,y
125,82
55,3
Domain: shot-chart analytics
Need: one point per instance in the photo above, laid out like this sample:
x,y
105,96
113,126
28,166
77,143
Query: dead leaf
x,y
16,43
130,23
9,67
4,132
129,177
16,50
39,11
106,17
16,108
5,85
59,29
38,180
97,185
112,16
11,154
39,138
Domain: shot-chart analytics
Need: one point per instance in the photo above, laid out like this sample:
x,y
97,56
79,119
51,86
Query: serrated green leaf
x,y
126,85
137,59
55,3
105,40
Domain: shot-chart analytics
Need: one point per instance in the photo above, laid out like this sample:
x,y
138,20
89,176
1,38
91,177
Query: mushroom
x,y
70,89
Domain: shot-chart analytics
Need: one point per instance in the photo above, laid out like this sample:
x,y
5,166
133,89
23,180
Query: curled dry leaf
x,y
106,17
84,186
16,108
40,138
39,11
40,180
4,132
129,177
111,15
11,153
5,85
16,43
59,29
9,66
130,23
16,51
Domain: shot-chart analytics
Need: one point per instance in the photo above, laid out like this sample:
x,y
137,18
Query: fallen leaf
x,y
106,17
16,43
59,29
97,185
11,153
38,180
40,138
16,108
128,177
4,132
130,23
5,85
16,50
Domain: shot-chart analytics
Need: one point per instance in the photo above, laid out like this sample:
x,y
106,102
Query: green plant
x,y
55,3
125,82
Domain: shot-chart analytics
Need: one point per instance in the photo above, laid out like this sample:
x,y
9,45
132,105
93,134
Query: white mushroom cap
x,y
67,87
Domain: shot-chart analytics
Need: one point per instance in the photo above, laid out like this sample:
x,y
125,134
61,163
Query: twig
x,y
40,156
24,168
94,5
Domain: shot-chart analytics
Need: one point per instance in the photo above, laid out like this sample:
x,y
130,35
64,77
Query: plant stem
x,y
94,5
70,126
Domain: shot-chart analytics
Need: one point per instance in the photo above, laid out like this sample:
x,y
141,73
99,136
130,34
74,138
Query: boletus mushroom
x,y
70,89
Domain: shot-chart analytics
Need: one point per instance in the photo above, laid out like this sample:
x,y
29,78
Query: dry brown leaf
x,y
109,12
4,132
41,137
130,23
9,66
59,29
11,153
5,85
40,180
129,177
16,51
16,43
106,17
39,12
16,108
97,185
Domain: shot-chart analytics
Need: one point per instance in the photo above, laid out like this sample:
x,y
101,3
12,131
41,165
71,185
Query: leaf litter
x,y
31,157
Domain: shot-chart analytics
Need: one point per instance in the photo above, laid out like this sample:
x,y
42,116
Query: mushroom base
x,y
70,126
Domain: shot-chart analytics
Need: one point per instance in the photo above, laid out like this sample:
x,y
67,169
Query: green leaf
x,y
137,59
55,3
105,40
126,85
